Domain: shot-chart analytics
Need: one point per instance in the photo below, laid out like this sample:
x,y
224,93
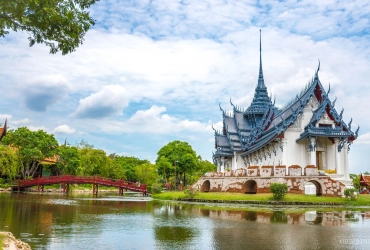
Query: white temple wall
x,y
307,115
331,150
342,159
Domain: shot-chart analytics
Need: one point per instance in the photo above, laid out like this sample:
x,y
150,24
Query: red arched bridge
x,y
70,179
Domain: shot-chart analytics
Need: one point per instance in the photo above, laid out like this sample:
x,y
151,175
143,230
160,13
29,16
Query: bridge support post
x,y
95,189
120,191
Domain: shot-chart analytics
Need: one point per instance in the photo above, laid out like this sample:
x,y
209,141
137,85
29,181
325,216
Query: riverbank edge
x,y
269,203
9,242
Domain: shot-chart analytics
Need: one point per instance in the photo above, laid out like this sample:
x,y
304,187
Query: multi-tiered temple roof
x,y
262,123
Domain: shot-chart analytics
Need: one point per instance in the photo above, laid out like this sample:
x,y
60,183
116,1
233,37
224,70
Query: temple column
x,y
312,151
218,164
324,164
284,155
345,163
338,165
233,165
222,165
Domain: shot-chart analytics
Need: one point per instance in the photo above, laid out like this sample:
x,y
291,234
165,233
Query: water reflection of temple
x,y
333,218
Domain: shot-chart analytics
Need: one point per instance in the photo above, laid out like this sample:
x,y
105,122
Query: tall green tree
x,y
165,168
32,147
206,166
59,24
125,167
182,156
69,159
146,173
9,162
93,162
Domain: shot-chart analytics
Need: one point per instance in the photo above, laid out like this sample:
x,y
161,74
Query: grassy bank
x,y
363,200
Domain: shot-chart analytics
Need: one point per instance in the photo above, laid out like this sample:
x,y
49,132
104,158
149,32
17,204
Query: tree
x,y
69,159
125,167
146,173
32,147
94,162
9,162
181,155
84,144
355,180
59,24
206,166
165,168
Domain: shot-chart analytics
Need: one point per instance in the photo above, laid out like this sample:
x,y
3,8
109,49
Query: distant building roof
x,y
3,130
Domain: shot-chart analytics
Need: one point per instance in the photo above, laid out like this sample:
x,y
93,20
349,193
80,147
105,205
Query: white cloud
x,y
111,100
64,129
363,139
3,117
155,121
21,122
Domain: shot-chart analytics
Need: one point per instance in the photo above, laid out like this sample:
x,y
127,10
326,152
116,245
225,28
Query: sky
x,y
150,72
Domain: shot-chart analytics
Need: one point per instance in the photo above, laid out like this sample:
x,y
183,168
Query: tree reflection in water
x,y
174,237
278,217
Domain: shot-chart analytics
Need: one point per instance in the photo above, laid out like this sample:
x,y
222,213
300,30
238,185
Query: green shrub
x,y
3,183
190,191
351,193
156,188
278,190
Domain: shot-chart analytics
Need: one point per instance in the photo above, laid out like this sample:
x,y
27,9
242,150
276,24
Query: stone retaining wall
x,y
255,184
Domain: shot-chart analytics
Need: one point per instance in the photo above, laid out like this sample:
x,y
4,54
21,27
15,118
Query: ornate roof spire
x,y
261,101
261,82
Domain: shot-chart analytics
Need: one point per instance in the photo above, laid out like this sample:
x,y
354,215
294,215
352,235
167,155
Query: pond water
x,y
57,221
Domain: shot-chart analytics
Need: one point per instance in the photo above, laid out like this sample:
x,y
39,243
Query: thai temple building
x,y
264,143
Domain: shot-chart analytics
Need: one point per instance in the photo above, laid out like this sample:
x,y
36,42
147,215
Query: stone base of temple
x,y
324,185
347,182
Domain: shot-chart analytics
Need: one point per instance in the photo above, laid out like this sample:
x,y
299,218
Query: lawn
x,y
363,200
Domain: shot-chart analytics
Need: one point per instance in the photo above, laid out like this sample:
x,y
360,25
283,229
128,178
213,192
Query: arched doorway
x,y
250,187
206,186
312,188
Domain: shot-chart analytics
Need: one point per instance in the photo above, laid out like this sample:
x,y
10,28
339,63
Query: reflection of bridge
x,y
70,179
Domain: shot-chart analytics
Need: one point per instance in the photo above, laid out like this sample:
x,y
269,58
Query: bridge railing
x,y
68,179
